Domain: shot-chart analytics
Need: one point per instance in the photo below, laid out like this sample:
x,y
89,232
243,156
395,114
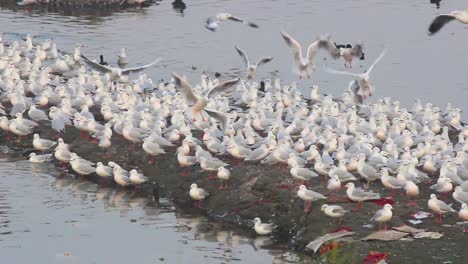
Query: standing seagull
x,y
212,23
361,80
252,68
116,73
304,63
443,19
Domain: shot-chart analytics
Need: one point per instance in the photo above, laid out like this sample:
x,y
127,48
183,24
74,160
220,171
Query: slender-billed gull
x,y
301,62
262,228
197,194
34,158
440,20
252,68
212,23
308,197
359,195
334,211
362,79
438,207
383,216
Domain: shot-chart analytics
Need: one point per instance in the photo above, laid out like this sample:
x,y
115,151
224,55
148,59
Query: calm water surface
x,y
47,217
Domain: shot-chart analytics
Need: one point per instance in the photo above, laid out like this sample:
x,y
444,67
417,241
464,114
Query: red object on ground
x,y
374,257
329,247
342,229
383,201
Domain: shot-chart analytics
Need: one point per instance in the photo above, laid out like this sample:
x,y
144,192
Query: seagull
x,y
224,175
199,103
34,158
262,228
197,194
361,80
301,62
439,207
359,195
383,216
334,211
252,68
116,73
212,23
348,52
137,178
463,215
308,196
42,144
440,20
122,57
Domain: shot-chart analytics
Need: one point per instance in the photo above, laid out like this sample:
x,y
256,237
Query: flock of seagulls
x,y
340,138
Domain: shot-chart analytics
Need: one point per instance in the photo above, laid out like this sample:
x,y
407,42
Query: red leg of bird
x,y
385,226
64,165
380,226
212,176
358,207
307,207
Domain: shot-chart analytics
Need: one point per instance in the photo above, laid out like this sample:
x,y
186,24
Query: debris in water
x,y
317,243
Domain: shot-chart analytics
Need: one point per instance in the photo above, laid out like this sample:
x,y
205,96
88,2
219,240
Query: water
x,y
56,219
416,65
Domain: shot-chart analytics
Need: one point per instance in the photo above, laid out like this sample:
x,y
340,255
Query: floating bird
x,y
252,68
440,20
304,63
212,23
34,158
262,228
361,81
383,216
334,211
116,73
197,194
438,207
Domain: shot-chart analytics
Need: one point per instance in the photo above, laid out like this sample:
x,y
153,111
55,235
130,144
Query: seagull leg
x,y
385,228
358,207
380,226
307,207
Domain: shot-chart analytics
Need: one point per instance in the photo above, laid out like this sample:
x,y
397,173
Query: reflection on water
x,y
58,218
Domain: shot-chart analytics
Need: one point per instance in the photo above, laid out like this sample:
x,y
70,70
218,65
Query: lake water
x,y
48,217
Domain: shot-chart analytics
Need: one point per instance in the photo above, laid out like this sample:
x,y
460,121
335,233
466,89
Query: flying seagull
x,y
199,103
348,52
212,23
440,20
252,68
116,73
362,79
301,62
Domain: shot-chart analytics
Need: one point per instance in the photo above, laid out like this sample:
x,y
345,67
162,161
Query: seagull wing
x,y
264,60
96,65
439,22
244,56
312,50
340,72
293,44
220,117
185,88
333,49
137,69
382,54
222,87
